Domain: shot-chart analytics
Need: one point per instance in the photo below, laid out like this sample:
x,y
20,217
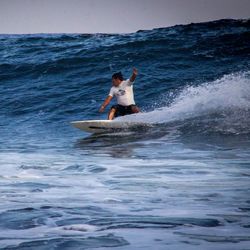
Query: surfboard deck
x,y
102,126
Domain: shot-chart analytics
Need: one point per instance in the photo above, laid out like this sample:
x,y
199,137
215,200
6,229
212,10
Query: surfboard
x,y
102,126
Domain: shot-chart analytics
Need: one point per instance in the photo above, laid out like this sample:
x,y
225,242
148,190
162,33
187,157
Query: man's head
x,y
117,78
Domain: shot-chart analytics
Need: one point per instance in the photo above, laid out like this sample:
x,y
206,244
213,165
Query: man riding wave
x,y
123,91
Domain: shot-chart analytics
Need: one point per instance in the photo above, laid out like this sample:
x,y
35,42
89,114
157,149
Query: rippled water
x,y
182,183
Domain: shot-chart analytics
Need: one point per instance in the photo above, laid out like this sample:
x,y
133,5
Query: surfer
x,y
123,91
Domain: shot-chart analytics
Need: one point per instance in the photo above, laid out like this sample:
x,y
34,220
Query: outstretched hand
x,y
101,109
135,71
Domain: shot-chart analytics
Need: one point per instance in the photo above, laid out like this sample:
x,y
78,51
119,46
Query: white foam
x,y
80,227
230,92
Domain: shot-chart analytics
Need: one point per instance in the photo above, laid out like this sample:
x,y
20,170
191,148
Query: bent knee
x,y
135,109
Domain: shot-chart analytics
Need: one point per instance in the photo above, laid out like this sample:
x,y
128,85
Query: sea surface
x,y
183,183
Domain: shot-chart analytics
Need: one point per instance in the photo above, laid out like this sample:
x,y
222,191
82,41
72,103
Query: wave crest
x,y
222,105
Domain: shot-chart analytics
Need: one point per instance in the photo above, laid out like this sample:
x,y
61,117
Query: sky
x,y
111,16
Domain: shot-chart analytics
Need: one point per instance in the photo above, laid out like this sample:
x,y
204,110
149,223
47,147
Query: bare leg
x,y
135,109
111,114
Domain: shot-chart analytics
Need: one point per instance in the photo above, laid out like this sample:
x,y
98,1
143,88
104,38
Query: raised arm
x,y
105,103
135,73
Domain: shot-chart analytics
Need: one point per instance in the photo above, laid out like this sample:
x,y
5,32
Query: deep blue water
x,y
181,184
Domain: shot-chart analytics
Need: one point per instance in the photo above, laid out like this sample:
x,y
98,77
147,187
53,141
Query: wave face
x,y
185,71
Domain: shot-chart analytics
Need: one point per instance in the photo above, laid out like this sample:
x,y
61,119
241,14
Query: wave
x,y
65,77
222,105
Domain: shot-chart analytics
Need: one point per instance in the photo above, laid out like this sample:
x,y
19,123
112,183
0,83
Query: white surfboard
x,y
102,126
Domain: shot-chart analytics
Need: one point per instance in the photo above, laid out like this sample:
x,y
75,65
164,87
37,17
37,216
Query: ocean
x,y
184,183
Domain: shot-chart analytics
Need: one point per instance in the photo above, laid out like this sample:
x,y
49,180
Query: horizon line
x,y
126,33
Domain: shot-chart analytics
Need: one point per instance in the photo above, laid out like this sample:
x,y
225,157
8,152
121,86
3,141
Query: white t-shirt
x,y
124,93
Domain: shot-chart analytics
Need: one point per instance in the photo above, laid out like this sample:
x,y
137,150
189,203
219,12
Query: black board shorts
x,y
123,110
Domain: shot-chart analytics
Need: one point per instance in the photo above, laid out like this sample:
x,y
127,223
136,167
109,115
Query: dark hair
x,y
118,76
